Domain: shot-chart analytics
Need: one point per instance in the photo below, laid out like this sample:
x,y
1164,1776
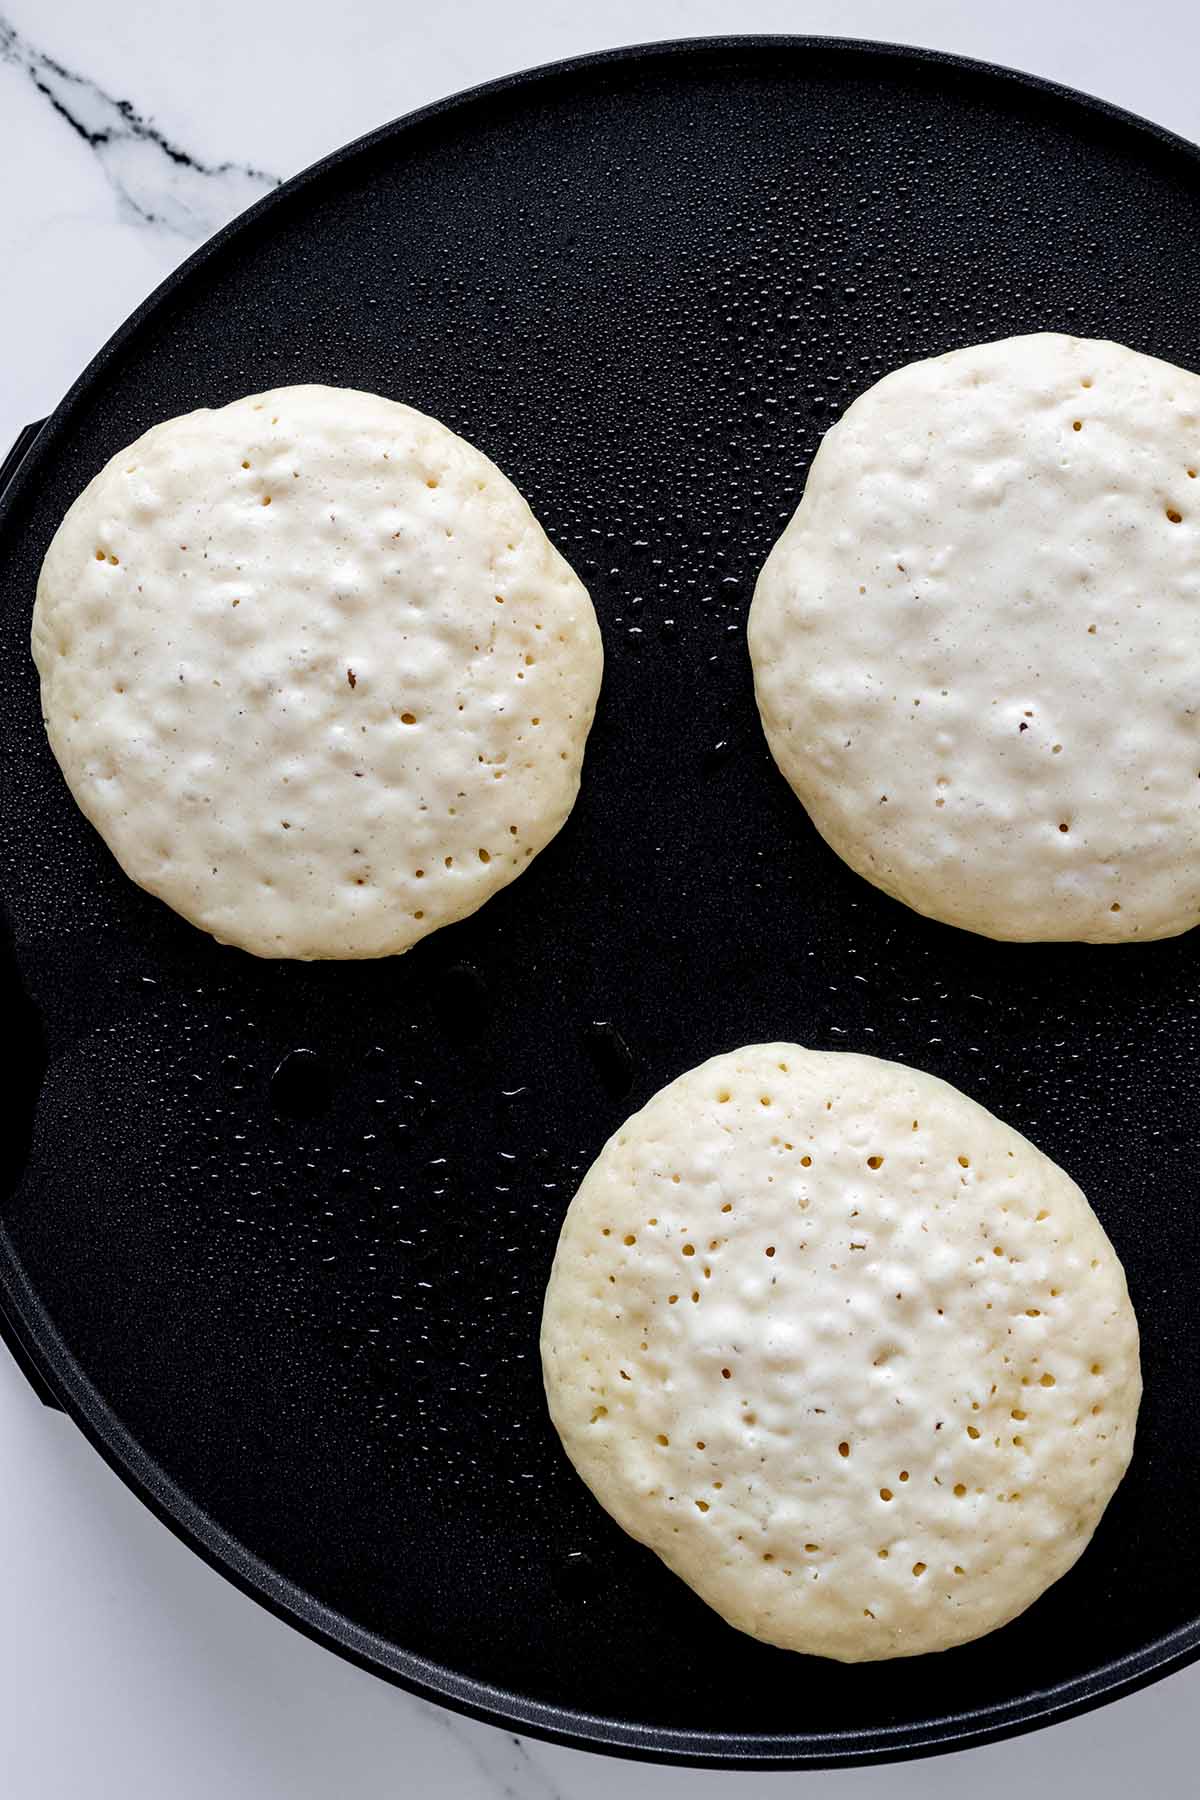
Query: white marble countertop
x,y
128,132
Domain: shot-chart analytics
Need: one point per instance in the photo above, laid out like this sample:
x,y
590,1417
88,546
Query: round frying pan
x,y
277,1235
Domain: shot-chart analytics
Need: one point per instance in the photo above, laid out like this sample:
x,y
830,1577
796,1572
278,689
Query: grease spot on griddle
x,y
577,1576
611,1057
301,1087
462,1003
416,1108
26,1071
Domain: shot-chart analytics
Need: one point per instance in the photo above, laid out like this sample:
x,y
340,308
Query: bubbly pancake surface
x,y
314,671
851,1355
976,645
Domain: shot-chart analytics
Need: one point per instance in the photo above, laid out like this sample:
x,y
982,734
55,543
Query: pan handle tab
x,y
24,1362
18,453
8,468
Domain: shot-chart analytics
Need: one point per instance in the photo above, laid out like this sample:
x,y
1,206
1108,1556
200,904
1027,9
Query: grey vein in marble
x,y
502,1759
156,182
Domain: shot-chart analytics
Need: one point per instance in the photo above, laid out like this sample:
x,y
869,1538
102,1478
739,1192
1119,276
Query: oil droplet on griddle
x,y
611,1056
301,1087
577,1576
462,1003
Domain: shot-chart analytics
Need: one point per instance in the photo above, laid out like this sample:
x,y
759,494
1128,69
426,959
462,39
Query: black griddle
x,y
277,1235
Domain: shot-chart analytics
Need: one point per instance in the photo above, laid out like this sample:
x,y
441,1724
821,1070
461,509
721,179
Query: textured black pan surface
x,y
300,1313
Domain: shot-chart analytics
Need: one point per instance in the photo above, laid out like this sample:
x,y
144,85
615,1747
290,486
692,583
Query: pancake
x,y
849,1354
975,646
314,671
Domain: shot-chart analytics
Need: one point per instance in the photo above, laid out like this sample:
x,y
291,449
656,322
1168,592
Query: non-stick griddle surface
x,y
299,1309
